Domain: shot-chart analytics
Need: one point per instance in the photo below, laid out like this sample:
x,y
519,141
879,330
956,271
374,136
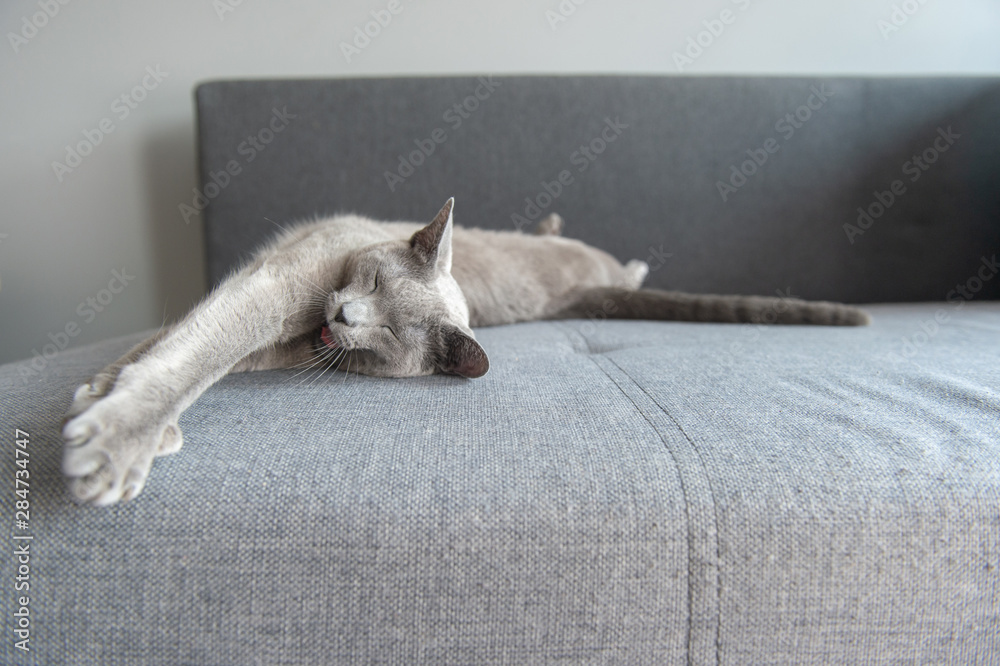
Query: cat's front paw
x,y
110,446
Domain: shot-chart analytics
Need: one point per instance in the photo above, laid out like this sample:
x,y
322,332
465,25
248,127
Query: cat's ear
x,y
463,356
433,242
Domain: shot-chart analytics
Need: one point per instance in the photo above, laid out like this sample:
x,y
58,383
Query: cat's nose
x,y
353,313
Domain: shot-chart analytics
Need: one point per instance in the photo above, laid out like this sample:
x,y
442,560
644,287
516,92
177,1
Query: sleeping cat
x,y
390,299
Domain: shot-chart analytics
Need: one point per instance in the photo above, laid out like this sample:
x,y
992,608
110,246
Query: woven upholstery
x,y
638,494
611,492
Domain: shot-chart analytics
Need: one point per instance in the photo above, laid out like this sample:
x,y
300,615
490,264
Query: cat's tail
x,y
654,304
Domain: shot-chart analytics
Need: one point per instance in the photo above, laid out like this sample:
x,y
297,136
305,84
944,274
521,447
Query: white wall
x,y
117,210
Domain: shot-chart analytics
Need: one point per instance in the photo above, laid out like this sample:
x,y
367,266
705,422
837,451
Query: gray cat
x,y
390,299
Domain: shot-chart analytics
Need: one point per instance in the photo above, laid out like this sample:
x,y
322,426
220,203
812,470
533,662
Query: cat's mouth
x,y
326,336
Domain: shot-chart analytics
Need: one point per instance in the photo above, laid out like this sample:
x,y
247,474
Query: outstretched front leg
x,y
128,413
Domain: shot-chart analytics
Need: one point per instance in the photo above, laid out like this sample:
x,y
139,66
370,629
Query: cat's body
x,y
380,298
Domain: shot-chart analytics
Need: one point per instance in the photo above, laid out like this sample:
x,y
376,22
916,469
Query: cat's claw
x,y
110,450
171,441
85,396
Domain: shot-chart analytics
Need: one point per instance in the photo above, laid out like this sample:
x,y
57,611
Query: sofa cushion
x,y
635,492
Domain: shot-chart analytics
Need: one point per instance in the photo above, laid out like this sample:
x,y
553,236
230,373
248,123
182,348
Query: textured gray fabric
x,y
617,492
611,492
654,188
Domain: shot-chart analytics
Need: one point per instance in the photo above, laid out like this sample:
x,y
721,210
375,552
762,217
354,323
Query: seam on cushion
x,y
582,344
687,508
576,338
711,495
694,656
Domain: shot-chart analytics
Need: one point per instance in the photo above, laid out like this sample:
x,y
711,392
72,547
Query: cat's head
x,y
400,313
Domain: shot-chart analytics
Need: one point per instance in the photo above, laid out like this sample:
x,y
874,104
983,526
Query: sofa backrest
x,y
853,189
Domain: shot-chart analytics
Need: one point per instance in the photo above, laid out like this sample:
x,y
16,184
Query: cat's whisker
x,y
164,322
315,301
329,358
311,296
312,362
309,361
312,375
303,371
327,362
280,226
319,289
318,297
342,357
310,301
325,369
347,373
336,360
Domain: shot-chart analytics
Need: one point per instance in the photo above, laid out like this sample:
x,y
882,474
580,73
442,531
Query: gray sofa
x,y
611,492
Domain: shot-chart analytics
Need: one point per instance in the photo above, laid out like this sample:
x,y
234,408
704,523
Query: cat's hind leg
x,y
551,225
636,271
